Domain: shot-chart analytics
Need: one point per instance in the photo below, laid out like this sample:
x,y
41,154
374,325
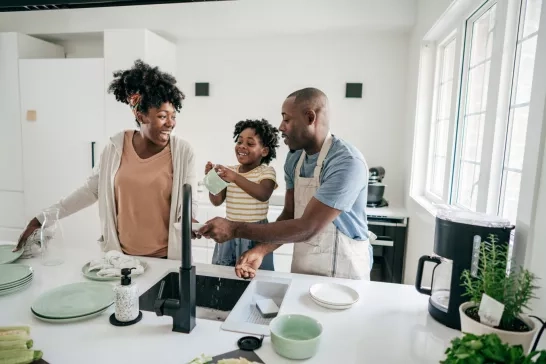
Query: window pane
x,y
511,195
437,186
482,37
473,138
444,106
532,17
525,71
449,61
468,185
478,79
516,142
441,138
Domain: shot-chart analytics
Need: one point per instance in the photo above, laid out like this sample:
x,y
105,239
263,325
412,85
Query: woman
x,y
139,178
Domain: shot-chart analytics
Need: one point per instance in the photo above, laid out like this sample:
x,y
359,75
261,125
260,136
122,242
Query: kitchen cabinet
x,y
58,145
389,248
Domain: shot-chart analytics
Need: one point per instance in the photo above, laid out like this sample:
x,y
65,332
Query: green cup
x,y
295,336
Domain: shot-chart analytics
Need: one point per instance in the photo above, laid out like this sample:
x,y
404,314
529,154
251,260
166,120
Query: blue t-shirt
x,y
343,185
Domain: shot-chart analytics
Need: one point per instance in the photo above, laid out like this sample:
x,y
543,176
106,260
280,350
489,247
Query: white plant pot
x,y
525,339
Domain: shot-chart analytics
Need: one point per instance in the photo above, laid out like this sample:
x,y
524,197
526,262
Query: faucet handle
x,y
159,301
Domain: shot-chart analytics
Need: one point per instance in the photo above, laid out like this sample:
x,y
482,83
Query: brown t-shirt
x,y
143,200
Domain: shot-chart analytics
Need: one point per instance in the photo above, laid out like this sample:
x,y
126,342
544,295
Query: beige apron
x,y
329,253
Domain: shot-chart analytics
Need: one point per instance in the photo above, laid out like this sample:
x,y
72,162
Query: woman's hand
x,y
226,174
31,227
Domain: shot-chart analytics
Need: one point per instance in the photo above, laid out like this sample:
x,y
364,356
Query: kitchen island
x,y
389,324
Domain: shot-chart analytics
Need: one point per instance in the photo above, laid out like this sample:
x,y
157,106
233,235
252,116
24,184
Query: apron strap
x,y
322,156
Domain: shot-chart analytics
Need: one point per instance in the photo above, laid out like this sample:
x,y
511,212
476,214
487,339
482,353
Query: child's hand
x,y
208,167
226,174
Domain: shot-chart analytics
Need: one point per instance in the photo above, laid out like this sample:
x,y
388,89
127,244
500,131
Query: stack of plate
x,y
14,278
73,302
333,296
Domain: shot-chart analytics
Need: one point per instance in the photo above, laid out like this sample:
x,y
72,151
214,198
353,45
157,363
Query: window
x,y
443,91
519,108
478,122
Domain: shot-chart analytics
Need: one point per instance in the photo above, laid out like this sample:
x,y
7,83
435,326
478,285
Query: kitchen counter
x,y
389,324
277,202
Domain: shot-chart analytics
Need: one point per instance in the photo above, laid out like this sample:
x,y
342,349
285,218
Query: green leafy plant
x,y
489,349
514,289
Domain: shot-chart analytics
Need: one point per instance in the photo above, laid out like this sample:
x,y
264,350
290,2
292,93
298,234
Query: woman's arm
x,y
218,199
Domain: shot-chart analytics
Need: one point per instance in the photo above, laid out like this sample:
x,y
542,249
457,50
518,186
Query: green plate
x,y
15,289
76,299
11,273
16,284
94,277
6,254
71,319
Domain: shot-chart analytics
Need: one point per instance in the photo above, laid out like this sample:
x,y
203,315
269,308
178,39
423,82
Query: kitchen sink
x,y
215,298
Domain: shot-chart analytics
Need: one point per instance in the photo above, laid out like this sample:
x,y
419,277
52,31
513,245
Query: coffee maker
x,y
457,240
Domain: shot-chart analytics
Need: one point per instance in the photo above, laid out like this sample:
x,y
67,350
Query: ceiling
x,y
219,19
41,5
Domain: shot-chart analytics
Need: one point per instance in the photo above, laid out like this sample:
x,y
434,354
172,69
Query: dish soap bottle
x,y
126,301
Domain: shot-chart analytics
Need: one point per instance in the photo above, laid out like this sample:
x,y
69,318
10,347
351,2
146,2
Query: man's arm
x,y
315,218
286,214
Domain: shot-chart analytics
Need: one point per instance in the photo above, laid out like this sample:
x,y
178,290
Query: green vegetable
x,y
199,360
15,328
489,349
19,356
16,344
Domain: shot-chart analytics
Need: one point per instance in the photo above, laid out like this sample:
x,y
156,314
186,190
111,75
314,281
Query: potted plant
x,y
489,349
513,288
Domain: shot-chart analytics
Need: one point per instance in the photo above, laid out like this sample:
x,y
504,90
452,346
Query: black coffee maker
x,y
457,240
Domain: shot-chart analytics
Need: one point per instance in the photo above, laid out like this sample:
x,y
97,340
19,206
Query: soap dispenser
x,y
126,301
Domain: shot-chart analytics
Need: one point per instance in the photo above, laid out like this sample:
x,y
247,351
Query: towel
x,y
113,262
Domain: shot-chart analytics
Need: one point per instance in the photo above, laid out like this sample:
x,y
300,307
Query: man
x,y
324,212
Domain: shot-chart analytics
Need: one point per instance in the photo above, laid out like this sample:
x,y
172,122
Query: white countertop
x,y
389,324
277,202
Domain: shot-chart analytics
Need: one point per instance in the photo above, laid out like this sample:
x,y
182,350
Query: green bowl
x,y
295,336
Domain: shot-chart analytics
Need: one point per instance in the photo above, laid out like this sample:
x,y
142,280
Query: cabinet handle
x,y
92,155
383,242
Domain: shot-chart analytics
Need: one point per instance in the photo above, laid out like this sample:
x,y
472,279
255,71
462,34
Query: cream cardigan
x,y
100,186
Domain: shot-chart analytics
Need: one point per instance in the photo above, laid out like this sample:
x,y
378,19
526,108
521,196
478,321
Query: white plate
x,y
95,277
331,307
334,294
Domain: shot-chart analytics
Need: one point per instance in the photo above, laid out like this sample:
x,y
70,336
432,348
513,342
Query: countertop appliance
x,y
376,189
457,240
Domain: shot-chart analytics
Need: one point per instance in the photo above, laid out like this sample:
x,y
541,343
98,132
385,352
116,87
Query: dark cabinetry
x,y
389,248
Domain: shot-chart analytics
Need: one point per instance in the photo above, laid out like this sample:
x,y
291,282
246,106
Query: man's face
x,y
295,128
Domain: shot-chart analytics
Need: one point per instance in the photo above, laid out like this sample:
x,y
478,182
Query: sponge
x,y
267,307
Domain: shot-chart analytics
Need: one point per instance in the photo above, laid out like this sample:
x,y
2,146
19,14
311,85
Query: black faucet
x,y
182,310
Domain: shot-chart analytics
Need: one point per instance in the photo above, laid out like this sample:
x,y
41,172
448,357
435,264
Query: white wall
x,y
83,49
421,222
250,78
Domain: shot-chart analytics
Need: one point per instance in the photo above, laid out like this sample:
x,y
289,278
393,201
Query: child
x,y
251,184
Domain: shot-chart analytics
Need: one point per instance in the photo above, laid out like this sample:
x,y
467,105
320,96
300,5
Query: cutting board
x,y
248,355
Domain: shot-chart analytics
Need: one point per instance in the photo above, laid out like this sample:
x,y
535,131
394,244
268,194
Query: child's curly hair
x,y
268,134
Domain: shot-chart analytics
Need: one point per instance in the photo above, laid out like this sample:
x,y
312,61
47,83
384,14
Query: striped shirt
x,y
240,206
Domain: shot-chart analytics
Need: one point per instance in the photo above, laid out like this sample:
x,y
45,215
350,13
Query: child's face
x,y
249,148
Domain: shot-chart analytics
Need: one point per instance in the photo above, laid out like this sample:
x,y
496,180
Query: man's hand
x,y
226,174
218,229
248,263
31,227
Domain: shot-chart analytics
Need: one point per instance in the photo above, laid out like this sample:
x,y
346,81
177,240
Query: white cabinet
x,y
66,96
14,46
